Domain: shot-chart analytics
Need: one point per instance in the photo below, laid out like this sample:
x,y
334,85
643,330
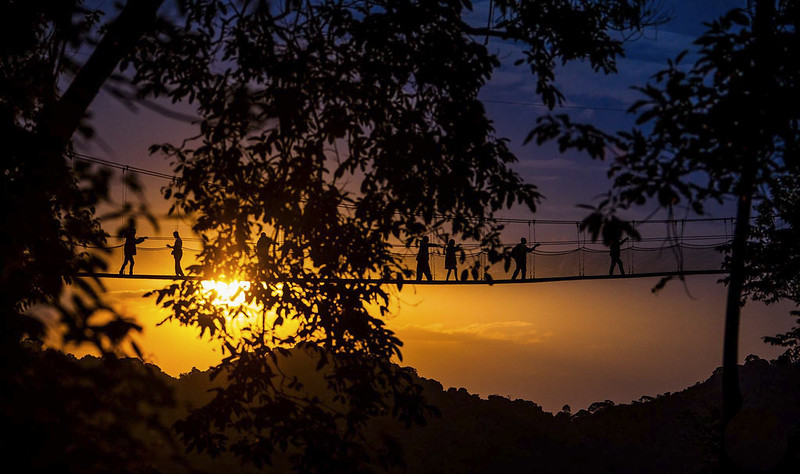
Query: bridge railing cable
x,y
689,243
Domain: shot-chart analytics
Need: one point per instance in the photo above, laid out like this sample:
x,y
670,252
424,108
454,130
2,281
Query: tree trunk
x,y
61,121
731,394
759,141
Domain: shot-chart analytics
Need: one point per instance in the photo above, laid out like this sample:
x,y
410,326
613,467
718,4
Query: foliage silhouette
x,y
332,126
773,265
335,127
724,128
57,415
88,416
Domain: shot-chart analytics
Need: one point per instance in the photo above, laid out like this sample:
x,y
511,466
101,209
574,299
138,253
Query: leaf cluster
x,y
556,32
58,414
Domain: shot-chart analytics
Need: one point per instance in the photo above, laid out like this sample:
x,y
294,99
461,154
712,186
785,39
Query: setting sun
x,y
226,293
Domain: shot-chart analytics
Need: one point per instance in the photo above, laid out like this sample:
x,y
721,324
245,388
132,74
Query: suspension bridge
x,y
674,247
667,248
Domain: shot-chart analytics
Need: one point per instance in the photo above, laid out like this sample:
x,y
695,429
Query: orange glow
x,y
244,317
225,293
553,343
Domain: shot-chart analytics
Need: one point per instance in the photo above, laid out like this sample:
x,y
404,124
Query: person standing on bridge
x,y
520,255
614,251
130,246
262,249
177,253
450,259
423,259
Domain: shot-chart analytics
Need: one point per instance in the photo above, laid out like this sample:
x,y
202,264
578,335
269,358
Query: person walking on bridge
x,y
262,250
129,247
614,251
423,259
520,255
177,253
450,259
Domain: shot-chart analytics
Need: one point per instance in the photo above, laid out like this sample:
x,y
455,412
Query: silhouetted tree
x,y
333,126
336,127
48,212
727,127
57,414
773,266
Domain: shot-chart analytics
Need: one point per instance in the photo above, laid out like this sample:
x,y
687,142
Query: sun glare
x,y
244,317
227,293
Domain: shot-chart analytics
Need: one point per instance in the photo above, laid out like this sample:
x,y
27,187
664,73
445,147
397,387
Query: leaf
x,y
739,17
661,284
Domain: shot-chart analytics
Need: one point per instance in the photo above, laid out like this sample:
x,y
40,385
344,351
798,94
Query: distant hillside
x,y
674,432
668,434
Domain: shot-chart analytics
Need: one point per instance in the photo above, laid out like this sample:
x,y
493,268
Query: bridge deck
x,y
424,282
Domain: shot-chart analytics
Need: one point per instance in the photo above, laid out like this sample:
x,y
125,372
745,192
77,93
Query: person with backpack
x,y
423,259
520,255
129,247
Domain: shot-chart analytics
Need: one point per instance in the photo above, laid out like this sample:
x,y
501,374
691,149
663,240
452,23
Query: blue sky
x,y
572,178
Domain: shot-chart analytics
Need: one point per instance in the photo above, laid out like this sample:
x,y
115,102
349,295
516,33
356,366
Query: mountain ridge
x,y
672,432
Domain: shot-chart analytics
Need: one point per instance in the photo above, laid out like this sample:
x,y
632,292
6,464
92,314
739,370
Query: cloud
x,y
129,294
505,78
548,179
547,163
658,44
516,332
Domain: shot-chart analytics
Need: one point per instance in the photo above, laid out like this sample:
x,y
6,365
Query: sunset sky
x,y
552,343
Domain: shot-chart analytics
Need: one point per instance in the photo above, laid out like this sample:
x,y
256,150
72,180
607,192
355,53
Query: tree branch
x,y
60,122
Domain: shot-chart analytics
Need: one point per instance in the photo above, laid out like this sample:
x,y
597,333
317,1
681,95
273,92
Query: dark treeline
x,y
672,432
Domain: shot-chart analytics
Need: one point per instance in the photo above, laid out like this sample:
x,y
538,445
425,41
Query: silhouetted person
x,y
450,259
130,247
262,249
614,249
423,263
520,255
177,253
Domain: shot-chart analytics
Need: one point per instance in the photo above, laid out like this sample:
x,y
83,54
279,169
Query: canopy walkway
x,y
375,281
667,248
565,253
